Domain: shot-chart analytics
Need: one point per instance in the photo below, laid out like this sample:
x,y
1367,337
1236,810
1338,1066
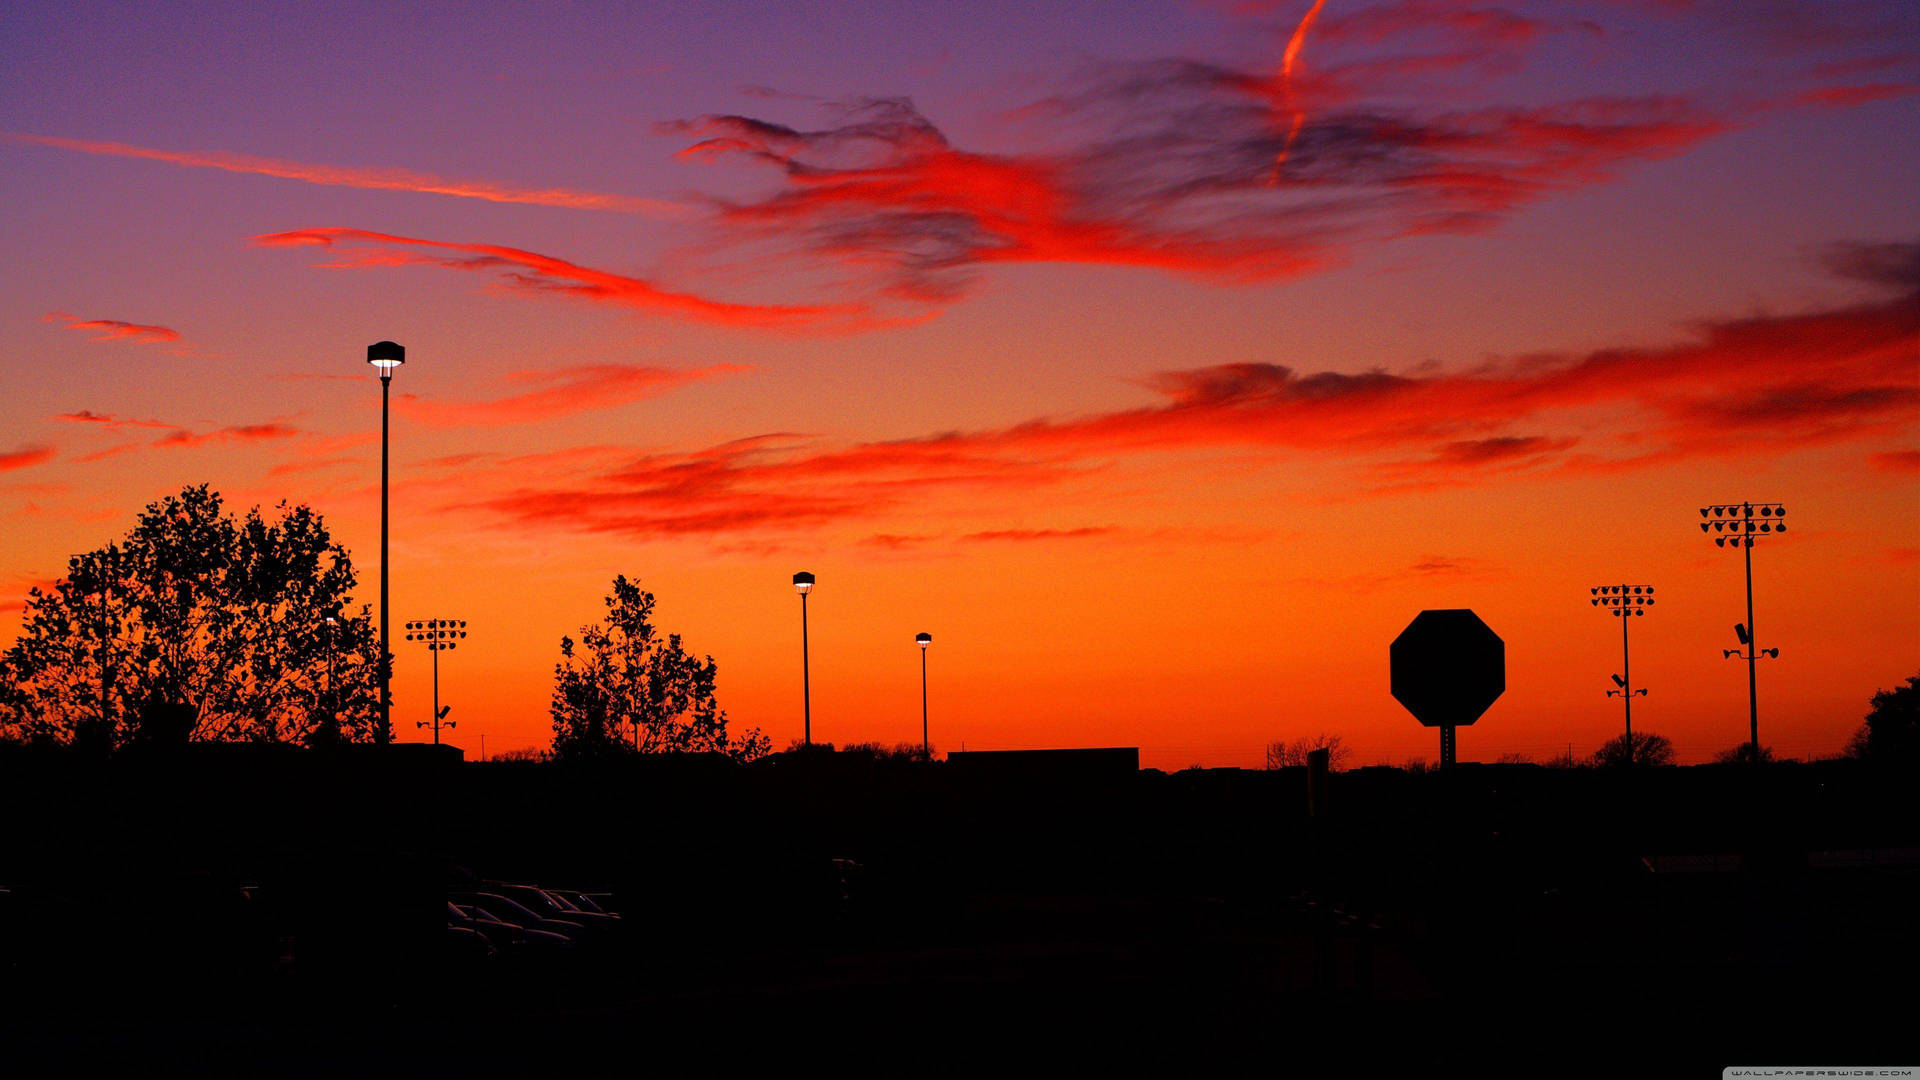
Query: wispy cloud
x,y
1897,461
1184,180
1028,535
176,436
534,273
24,456
237,433
115,329
562,392
373,179
1754,385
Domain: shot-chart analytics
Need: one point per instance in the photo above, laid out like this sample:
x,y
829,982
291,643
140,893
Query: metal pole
x,y
1626,668
806,686
1753,642
386,663
435,649
106,664
926,748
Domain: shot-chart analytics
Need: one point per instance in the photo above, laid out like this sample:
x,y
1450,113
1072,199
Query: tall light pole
x,y
438,635
1739,525
385,355
1625,602
803,584
924,639
331,732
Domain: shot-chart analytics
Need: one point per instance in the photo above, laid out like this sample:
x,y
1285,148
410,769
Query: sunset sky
x,y
1162,360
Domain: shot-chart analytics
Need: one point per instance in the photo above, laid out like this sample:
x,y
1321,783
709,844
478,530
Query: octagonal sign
x,y
1448,667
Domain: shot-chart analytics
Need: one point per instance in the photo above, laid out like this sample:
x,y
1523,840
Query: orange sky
x,y
1015,334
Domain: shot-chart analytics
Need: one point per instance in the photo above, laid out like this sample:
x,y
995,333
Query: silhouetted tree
x,y
1282,754
906,751
1856,748
1744,754
1648,749
624,689
1893,723
196,626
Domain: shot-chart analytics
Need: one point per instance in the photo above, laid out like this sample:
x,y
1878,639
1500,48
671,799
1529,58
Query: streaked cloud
x,y
24,456
562,392
1755,385
115,329
544,275
372,179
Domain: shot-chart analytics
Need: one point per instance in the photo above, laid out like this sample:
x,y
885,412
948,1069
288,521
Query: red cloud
x,y
886,192
1454,22
562,392
376,179
1043,534
237,433
114,329
110,422
1758,385
1899,461
528,271
25,456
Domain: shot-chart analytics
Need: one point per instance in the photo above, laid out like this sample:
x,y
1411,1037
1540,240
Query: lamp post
x,y
803,584
1625,602
924,639
333,701
438,635
385,355
1739,525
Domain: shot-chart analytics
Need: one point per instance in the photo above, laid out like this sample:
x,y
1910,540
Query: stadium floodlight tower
x,y
803,584
924,639
1735,526
385,356
438,635
1625,602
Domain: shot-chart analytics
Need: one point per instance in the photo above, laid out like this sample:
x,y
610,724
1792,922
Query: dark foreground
x,y
245,910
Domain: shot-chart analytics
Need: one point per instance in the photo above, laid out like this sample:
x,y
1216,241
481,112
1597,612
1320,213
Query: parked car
x,y
511,911
505,936
546,903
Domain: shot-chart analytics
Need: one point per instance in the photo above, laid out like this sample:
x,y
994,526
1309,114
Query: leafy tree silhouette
x,y
623,690
1648,749
196,627
1744,754
1893,723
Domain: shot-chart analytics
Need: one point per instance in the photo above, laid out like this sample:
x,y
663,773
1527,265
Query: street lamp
x,y
384,355
1737,526
333,697
438,635
1625,602
924,639
803,584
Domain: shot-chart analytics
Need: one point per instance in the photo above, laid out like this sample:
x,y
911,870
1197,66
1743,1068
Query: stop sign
x,y
1448,667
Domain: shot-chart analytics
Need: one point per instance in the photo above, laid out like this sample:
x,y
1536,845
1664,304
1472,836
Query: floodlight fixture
x,y
438,635
1750,522
1624,602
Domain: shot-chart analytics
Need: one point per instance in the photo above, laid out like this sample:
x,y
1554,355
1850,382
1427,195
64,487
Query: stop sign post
x,y
1447,668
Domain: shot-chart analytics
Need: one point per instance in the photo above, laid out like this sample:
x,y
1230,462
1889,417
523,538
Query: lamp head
x,y
923,639
803,582
386,356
